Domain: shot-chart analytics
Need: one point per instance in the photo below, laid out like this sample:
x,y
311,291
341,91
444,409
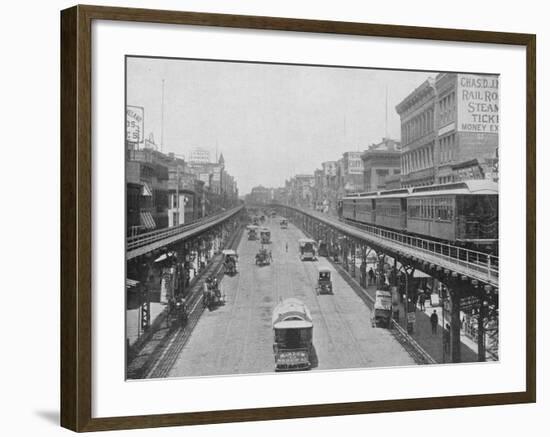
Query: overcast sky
x,y
269,121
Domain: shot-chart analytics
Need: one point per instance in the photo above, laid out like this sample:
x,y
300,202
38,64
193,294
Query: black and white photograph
x,y
287,217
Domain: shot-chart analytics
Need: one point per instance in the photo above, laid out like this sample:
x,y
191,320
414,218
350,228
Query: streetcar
x,y
292,335
265,236
307,249
252,231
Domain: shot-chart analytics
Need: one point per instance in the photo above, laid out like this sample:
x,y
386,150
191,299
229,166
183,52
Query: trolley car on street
x,y
293,333
307,249
265,236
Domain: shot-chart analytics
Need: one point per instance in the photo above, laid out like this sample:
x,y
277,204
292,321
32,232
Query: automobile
x,y
324,282
323,248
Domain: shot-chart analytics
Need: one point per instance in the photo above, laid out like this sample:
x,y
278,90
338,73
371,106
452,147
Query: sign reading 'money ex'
x,y
477,98
134,124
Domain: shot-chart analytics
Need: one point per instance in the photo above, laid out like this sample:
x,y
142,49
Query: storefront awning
x,y
131,283
146,190
146,220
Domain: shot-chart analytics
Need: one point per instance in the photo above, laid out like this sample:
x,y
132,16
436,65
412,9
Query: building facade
x,y
260,195
163,190
468,125
146,190
418,136
199,156
349,174
448,124
382,164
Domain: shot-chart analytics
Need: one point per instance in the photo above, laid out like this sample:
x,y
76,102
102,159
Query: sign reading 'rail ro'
x,y
477,103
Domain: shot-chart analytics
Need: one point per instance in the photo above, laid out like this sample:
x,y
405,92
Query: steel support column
x,y
353,258
455,325
481,347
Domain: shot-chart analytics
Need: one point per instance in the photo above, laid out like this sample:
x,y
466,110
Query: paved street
x,y
237,337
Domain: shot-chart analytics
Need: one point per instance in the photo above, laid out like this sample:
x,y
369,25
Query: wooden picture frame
x,y
76,217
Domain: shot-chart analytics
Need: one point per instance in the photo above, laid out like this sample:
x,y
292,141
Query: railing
x,y
137,241
478,265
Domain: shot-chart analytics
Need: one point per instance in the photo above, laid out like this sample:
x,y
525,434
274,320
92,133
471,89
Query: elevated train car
x,y
365,207
391,209
464,213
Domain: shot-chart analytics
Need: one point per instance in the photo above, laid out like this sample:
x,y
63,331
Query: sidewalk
x,y
132,320
431,343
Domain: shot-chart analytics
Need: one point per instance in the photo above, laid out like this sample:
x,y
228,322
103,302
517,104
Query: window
x,y
444,208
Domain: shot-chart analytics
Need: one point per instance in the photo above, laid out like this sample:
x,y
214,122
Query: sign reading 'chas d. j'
x,y
134,124
478,103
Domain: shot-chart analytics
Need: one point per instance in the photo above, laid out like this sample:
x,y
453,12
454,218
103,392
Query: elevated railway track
x,y
143,243
470,263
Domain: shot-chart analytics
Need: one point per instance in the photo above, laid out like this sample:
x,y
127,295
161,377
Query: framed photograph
x,y
268,218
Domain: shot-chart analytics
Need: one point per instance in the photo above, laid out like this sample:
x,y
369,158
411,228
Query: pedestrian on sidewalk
x,y
421,301
286,246
434,320
371,276
447,338
363,269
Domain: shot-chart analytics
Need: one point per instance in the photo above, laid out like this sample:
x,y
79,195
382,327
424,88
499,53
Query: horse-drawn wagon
x,y
263,257
212,294
230,258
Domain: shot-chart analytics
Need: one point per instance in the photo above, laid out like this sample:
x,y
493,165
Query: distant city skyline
x,y
286,119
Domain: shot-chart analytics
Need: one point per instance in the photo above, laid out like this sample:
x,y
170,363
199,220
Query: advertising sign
x,y
205,177
216,175
468,303
134,124
477,103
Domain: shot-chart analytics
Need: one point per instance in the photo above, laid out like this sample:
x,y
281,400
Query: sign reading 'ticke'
x,y
477,103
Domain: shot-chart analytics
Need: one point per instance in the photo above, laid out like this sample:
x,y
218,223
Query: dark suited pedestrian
x,y
434,320
421,300
447,338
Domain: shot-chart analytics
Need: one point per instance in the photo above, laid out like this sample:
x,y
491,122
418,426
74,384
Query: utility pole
x,y
162,119
386,107
177,191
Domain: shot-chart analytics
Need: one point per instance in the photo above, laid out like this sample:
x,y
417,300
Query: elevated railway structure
x,y
176,248
470,277
150,241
